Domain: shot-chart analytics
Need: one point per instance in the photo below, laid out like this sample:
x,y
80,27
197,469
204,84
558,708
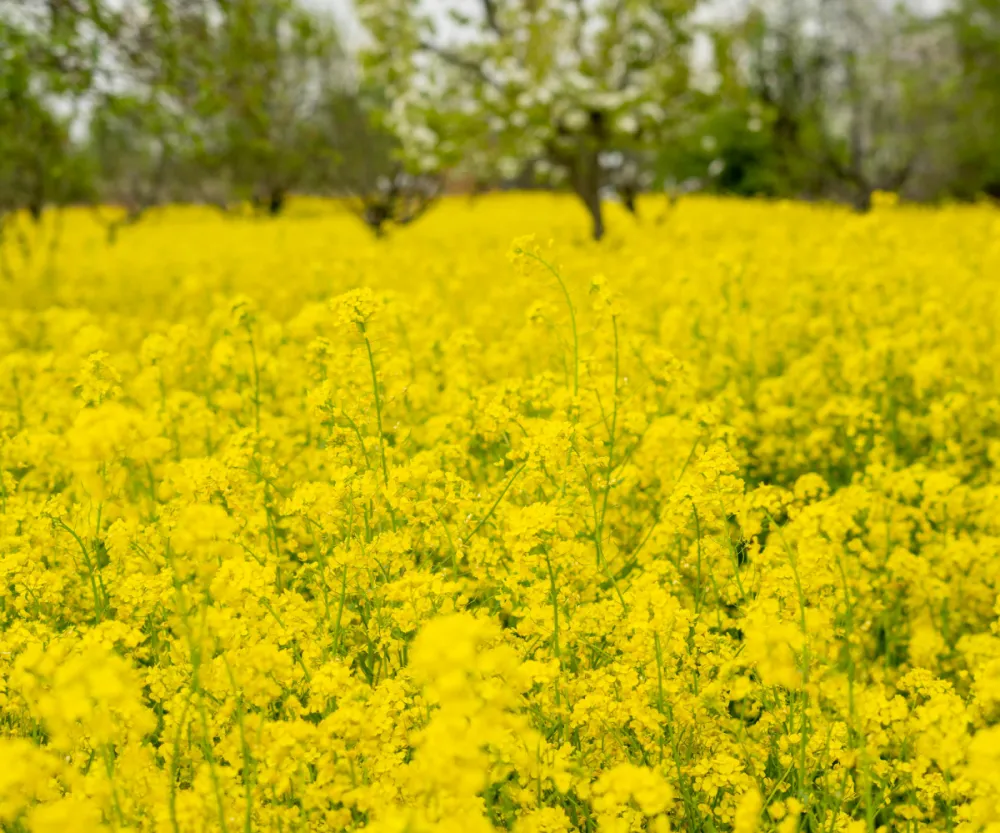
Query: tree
x,y
44,68
856,92
377,187
887,86
729,142
785,78
33,140
976,27
238,90
282,67
558,84
133,145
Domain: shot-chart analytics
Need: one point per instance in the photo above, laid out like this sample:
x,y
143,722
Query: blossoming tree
x,y
566,86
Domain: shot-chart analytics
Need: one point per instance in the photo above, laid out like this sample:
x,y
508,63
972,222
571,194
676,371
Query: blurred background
x,y
125,105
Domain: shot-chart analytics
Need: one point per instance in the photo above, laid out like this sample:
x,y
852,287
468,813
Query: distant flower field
x,y
697,529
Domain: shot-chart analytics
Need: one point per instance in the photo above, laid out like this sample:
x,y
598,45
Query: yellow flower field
x,y
697,529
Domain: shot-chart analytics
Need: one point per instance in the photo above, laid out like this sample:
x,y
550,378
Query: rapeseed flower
x,y
692,530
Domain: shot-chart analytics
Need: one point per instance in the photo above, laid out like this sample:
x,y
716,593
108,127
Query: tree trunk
x,y
585,177
594,207
587,190
863,199
628,196
376,215
276,202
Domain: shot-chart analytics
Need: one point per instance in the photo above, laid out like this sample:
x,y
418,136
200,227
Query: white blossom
x,y
528,91
422,135
509,167
610,159
575,119
653,111
627,124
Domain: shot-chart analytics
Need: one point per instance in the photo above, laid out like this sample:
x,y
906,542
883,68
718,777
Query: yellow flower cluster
x,y
695,530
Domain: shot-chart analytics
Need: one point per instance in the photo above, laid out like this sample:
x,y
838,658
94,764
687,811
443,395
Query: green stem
x,y
340,612
555,609
256,379
572,318
248,762
174,765
109,766
614,428
378,402
496,503
98,601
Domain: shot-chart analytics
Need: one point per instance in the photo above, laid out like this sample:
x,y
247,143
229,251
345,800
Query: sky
x,y
343,9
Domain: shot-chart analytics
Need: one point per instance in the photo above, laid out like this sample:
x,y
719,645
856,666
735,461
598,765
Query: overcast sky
x,y
343,9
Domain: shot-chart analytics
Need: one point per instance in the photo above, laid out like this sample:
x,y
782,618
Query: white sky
x,y
344,11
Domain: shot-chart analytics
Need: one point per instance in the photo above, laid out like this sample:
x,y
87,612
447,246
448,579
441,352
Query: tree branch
x,y
897,179
460,62
490,10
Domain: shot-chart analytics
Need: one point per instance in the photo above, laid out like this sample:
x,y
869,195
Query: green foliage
x,y
846,97
237,94
38,163
734,151
219,101
561,86
977,34
229,101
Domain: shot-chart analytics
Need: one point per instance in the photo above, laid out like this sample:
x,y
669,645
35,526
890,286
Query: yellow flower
x,y
748,812
502,556
66,815
357,307
97,379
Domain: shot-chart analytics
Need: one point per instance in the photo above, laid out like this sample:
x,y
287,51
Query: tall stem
x,y
572,318
614,429
256,379
378,402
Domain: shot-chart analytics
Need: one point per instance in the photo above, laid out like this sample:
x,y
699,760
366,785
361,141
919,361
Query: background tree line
x,y
243,102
